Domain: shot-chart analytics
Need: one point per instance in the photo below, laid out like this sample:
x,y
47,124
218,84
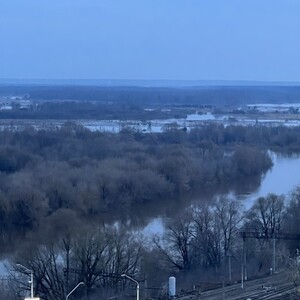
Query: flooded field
x,y
159,125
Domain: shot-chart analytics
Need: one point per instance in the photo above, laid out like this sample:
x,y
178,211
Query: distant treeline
x,y
70,110
216,95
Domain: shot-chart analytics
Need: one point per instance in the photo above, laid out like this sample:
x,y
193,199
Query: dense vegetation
x,y
43,172
61,192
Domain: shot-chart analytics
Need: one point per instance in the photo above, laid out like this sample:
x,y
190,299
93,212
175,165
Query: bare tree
x,y
266,215
207,246
47,265
176,244
228,218
96,256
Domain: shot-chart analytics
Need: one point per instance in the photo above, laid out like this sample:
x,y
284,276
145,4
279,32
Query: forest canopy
x,y
62,190
74,171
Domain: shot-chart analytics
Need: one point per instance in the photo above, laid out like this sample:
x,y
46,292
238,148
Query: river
x,y
281,179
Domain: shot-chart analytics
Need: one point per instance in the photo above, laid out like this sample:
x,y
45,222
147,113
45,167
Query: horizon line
x,y
159,82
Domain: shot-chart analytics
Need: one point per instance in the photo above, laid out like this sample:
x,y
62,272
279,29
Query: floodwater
x,y
150,126
281,179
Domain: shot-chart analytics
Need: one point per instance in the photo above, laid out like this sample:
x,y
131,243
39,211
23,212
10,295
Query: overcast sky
x,y
150,39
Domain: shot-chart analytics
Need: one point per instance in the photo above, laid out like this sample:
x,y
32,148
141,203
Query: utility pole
x,y
242,277
274,253
137,285
31,278
245,259
229,267
75,288
223,289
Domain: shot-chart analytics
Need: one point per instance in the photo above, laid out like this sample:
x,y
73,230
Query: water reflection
x,y
281,179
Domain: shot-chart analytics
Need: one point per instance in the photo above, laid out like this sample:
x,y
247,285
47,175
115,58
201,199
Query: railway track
x,y
278,286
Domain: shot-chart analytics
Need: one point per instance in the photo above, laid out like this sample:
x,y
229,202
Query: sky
x,y
255,40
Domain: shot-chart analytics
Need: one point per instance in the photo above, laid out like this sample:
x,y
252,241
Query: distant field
x,y
230,104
